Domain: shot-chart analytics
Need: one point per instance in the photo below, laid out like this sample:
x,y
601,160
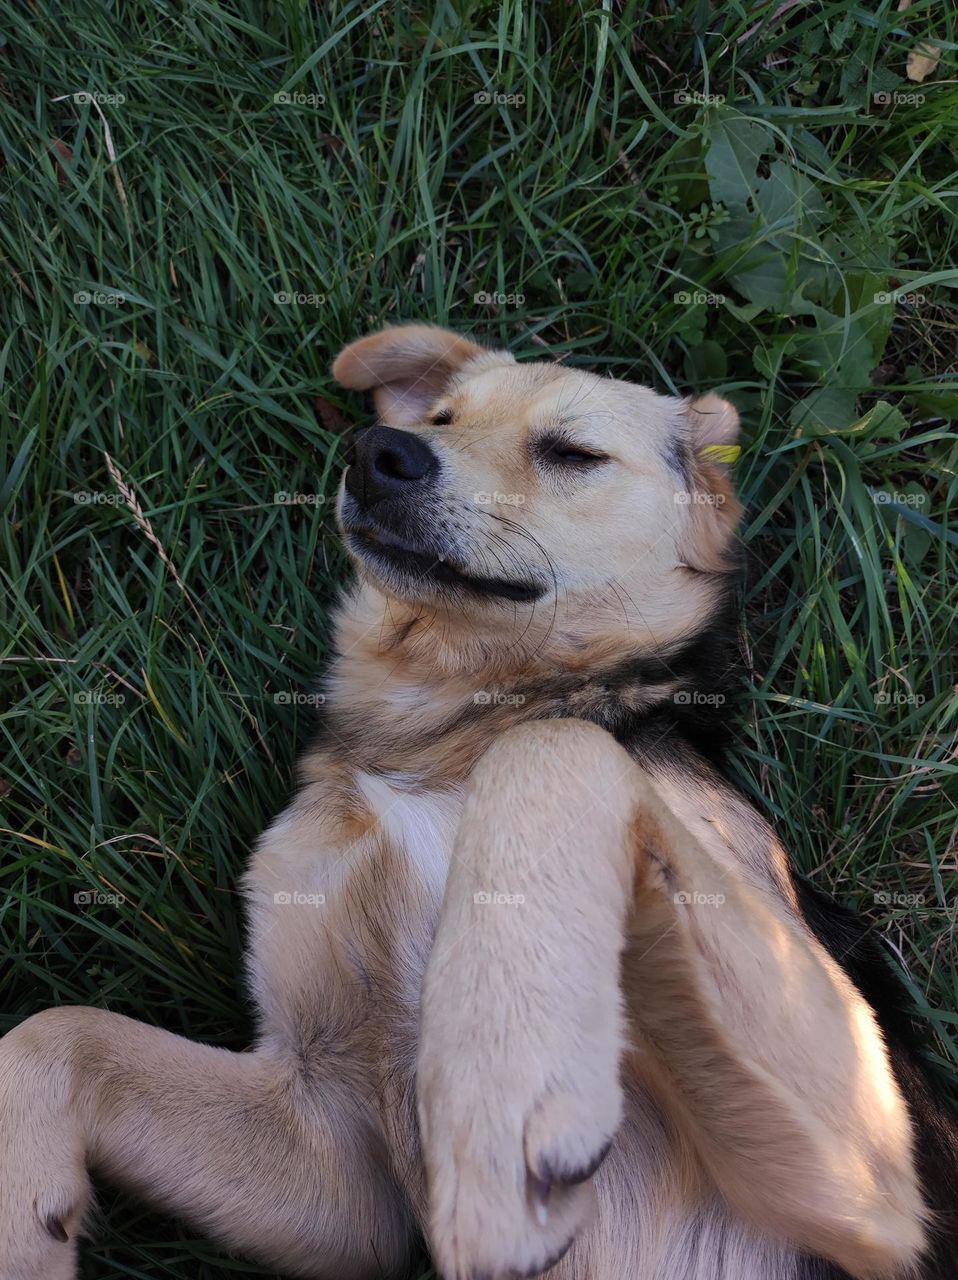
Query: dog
x,y
534,981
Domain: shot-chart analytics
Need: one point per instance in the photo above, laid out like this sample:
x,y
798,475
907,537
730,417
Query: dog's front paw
x,y
517,1111
44,1188
35,1237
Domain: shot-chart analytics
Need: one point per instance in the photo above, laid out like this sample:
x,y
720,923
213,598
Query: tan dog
x,y
530,973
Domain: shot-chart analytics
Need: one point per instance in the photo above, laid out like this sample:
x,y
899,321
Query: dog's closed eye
x,y
442,418
563,452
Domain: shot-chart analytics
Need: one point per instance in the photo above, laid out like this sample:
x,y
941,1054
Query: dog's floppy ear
x,y
715,426
713,508
406,367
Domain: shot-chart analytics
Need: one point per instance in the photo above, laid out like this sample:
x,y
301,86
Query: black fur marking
x,y
818,1269
701,713
679,459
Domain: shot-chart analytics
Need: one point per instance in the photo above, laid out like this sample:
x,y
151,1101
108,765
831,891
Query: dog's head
x,y
489,486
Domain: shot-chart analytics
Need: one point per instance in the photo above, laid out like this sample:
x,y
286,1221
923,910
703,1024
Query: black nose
x,y
388,464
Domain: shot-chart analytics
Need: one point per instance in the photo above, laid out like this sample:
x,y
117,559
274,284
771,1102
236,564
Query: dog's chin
x,y
422,575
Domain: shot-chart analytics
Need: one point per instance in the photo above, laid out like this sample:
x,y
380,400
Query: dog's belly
x,y
658,1217
344,895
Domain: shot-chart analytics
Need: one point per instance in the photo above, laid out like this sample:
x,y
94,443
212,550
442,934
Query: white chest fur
x,y
420,824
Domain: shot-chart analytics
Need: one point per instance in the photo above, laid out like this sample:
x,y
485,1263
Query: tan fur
x,y
485,941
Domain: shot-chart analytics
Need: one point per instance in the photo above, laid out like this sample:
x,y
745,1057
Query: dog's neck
x,y
424,693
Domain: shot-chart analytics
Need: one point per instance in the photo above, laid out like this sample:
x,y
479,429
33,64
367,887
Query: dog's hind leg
x,y
276,1160
767,1055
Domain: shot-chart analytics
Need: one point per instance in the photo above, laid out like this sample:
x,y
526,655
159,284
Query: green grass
x,y
155,596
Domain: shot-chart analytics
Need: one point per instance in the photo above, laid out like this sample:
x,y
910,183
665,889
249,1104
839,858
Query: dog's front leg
x,y
522,1020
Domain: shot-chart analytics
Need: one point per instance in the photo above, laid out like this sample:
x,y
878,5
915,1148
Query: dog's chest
x,y
418,824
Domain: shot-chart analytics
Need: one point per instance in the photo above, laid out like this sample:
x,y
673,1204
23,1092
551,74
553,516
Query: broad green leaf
x,y
825,411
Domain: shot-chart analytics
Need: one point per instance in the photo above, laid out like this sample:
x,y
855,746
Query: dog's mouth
x,y
418,568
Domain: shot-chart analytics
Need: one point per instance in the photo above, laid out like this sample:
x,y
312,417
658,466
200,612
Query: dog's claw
x,y
550,1174
56,1228
549,1262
